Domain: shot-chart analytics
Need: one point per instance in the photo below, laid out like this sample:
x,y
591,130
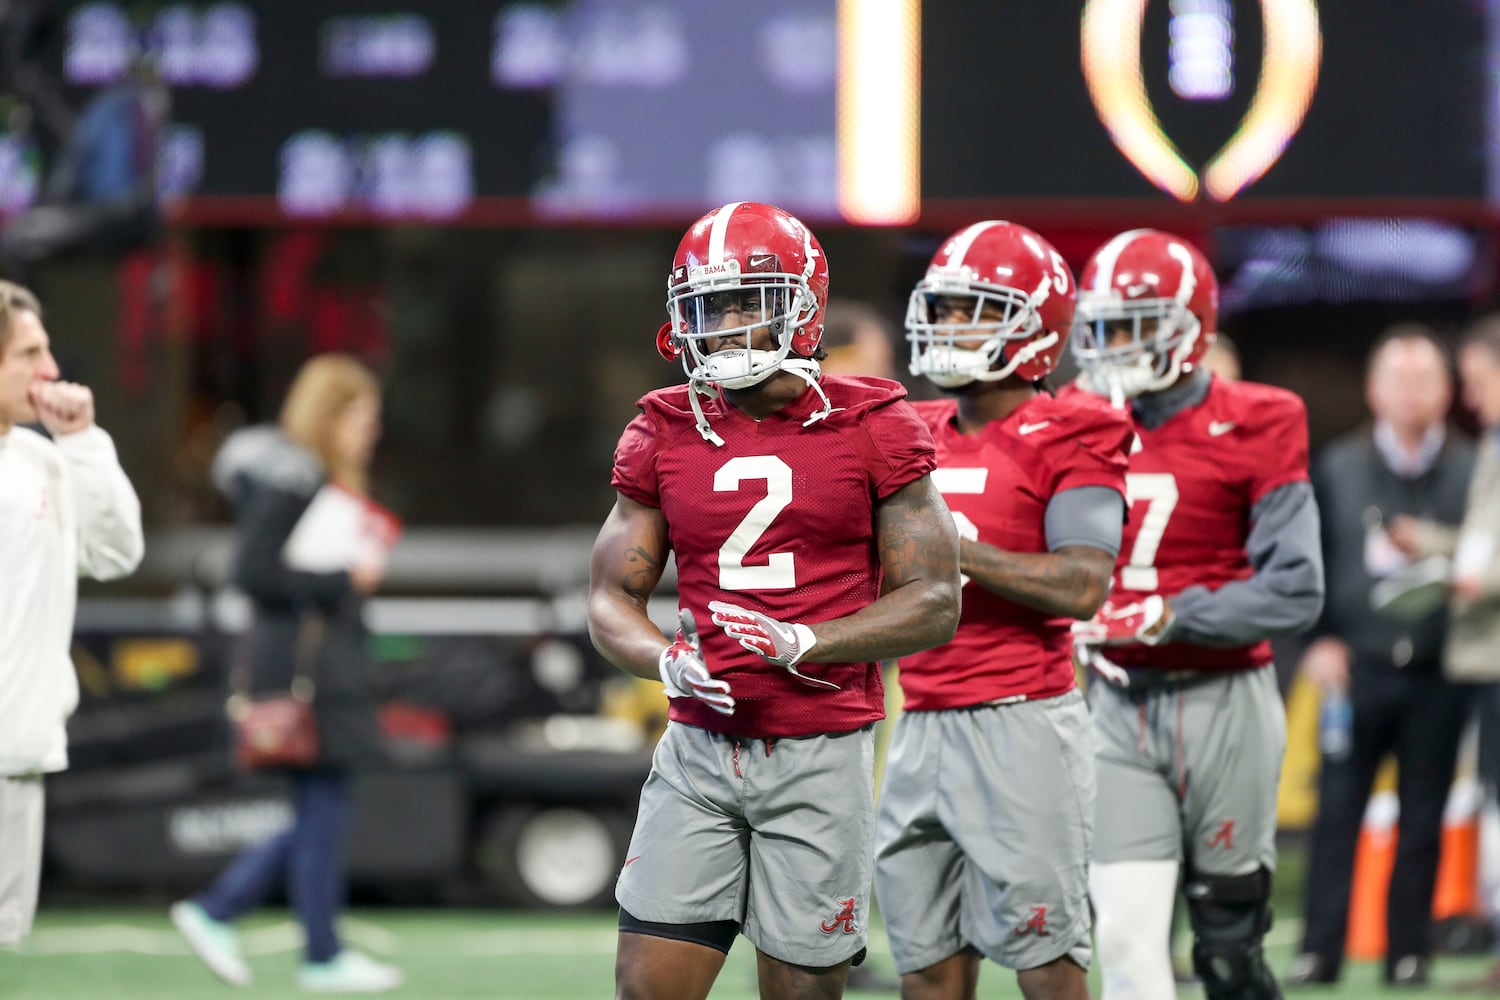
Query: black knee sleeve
x,y
1230,915
716,934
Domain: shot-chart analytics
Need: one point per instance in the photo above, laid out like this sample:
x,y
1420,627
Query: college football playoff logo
x,y
1111,52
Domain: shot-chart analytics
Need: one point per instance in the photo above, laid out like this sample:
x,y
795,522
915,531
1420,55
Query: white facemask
x,y
738,369
1122,382
952,366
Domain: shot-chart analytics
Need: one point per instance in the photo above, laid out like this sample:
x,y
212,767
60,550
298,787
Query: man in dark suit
x,y
1407,464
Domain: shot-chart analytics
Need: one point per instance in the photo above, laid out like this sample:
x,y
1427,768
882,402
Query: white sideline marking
x,y
273,939
102,938
538,942
285,936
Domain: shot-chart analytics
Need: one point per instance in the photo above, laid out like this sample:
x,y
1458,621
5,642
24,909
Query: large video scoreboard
x,y
484,110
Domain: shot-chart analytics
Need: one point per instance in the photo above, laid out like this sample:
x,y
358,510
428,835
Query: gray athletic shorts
x,y
777,835
21,807
1189,773
982,838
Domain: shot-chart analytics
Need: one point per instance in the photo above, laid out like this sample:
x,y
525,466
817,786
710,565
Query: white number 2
x,y
1159,492
778,573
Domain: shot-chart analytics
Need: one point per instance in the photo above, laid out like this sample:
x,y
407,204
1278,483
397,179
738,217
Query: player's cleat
x,y
213,941
349,972
1312,969
1408,970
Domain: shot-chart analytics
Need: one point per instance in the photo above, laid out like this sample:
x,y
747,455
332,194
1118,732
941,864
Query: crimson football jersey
x,y
780,519
998,483
1191,487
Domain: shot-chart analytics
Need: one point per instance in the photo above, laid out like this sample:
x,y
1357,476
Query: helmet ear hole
x,y
667,343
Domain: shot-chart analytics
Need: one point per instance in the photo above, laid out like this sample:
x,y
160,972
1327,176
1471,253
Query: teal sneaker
x,y
212,941
349,972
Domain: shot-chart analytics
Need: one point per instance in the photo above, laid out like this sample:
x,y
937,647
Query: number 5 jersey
x,y
998,483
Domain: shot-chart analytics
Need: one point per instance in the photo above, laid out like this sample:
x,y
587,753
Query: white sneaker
x,y
212,941
349,972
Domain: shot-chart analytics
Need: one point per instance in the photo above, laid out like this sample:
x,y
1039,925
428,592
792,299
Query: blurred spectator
x,y
101,195
858,340
1389,669
329,424
66,510
1473,648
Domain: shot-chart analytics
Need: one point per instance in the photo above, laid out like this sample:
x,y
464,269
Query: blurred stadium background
x,y
480,199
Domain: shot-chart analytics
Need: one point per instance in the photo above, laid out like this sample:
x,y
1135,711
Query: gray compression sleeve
x,y
1284,595
1086,515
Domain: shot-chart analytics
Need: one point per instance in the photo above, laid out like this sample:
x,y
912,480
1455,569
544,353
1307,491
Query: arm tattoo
x,y
642,572
1072,581
625,567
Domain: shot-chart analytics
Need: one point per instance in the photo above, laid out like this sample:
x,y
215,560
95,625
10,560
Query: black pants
x,y
1418,715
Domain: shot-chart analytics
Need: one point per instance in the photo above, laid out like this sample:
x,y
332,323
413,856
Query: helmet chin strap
x,y
810,372
979,370
806,369
695,387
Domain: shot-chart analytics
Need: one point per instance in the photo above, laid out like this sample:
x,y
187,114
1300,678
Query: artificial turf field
x,y
121,952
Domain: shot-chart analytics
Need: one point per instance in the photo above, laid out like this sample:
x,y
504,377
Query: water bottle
x,y
1336,725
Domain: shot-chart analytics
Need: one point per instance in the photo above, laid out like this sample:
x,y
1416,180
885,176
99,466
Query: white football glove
x,y
1146,621
784,644
685,675
1093,658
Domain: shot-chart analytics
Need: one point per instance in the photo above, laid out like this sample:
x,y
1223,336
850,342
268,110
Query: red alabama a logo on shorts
x,y
1035,924
1224,837
844,918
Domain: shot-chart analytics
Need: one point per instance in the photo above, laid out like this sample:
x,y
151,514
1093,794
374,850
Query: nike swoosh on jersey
x,y
1029,428
1220,427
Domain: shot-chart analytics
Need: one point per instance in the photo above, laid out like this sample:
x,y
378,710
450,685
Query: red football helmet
x,y
997,300
741,268
1160,289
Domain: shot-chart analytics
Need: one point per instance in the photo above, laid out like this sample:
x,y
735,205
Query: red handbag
x,y
272,732
279,730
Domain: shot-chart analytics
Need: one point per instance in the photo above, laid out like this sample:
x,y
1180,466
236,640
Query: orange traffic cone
x,y
1373,860
1456,893
1457,890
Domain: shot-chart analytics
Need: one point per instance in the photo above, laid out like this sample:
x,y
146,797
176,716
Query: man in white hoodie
x,y
66,510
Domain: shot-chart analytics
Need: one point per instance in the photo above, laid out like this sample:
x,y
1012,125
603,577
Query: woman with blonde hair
x,y
329,424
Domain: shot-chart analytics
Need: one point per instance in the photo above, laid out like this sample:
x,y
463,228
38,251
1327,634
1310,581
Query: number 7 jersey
x,y
1192,486
780,519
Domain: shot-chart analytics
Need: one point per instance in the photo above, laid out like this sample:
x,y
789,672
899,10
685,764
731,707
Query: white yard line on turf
x,y
270,939
286,936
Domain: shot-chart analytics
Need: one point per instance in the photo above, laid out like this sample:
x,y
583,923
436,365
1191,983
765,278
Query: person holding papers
x,y
310,546
1472,652
1378,662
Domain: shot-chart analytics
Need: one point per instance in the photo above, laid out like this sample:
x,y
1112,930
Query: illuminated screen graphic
x,y
1201,67
1205,100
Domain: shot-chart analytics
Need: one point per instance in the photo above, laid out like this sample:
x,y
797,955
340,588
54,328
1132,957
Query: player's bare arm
x,y
1072,581
629,555
918,608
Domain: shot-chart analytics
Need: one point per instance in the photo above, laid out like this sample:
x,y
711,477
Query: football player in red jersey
x,y
982,837
1220,554
810,543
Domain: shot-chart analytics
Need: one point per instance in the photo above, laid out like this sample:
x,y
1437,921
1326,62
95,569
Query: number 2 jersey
x,y
779,519
998,483
1193,483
